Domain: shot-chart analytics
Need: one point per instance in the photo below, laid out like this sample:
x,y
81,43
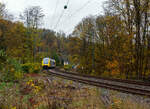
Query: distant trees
x,y
116,44
2,10
4,14
121,40
32,16
135,15
28,43
24,45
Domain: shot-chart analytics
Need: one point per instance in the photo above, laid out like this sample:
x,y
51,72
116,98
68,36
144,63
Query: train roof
x,y
48,59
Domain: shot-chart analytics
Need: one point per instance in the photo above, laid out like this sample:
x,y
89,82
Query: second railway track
x,y
132,87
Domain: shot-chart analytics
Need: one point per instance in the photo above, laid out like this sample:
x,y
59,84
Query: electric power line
x,y
74,13
59,19
78,10
61,15
67,2
54,12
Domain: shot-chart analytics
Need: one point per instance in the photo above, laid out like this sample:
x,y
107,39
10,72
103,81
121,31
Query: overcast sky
x,y
76,11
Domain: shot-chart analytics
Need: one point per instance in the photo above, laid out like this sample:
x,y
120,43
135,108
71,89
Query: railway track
x,y
125,86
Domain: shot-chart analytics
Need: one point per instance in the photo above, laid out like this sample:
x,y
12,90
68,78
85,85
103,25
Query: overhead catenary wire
x,y
59,19
61,16
73,14
78,10
67,2
54,12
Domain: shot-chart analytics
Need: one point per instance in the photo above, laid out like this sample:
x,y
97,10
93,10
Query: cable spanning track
x,y
69,16
59,19
73,14
54,11
125,86
67,2
77,11
62,13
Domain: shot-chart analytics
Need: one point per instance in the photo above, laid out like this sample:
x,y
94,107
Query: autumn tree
x,y
134,13
121,40
32,18
2,10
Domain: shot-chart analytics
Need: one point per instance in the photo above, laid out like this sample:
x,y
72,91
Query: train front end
x,y
46,63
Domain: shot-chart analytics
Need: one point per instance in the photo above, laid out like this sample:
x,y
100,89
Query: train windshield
x,y
45,61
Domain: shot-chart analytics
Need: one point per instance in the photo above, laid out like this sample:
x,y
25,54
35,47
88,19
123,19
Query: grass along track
x,y
111,79
113,84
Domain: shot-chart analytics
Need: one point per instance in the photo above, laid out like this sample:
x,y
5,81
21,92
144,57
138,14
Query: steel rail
x,y
85,80
110,79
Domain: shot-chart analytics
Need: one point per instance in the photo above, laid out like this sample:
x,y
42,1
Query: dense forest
x,y
114,44
118,42
23,44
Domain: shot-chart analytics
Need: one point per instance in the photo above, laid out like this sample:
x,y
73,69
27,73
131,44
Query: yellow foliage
x,y
112,64
117,104
36,88
0,32
113,67
13,108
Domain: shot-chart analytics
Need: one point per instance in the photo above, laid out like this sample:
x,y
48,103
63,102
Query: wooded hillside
x,y
114,44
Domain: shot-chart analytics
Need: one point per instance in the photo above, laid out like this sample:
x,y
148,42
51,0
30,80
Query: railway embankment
x,y
43,91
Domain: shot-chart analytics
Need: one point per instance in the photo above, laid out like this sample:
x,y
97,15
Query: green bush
x,y
36,68
25,68
31,67
67,67
3,58
12,70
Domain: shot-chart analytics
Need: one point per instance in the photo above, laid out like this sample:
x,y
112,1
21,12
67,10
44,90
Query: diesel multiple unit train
x,y
48,63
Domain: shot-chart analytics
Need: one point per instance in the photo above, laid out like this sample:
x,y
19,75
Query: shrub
x,y
67,67
36,68
31,67
25,67
12,71
3,58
